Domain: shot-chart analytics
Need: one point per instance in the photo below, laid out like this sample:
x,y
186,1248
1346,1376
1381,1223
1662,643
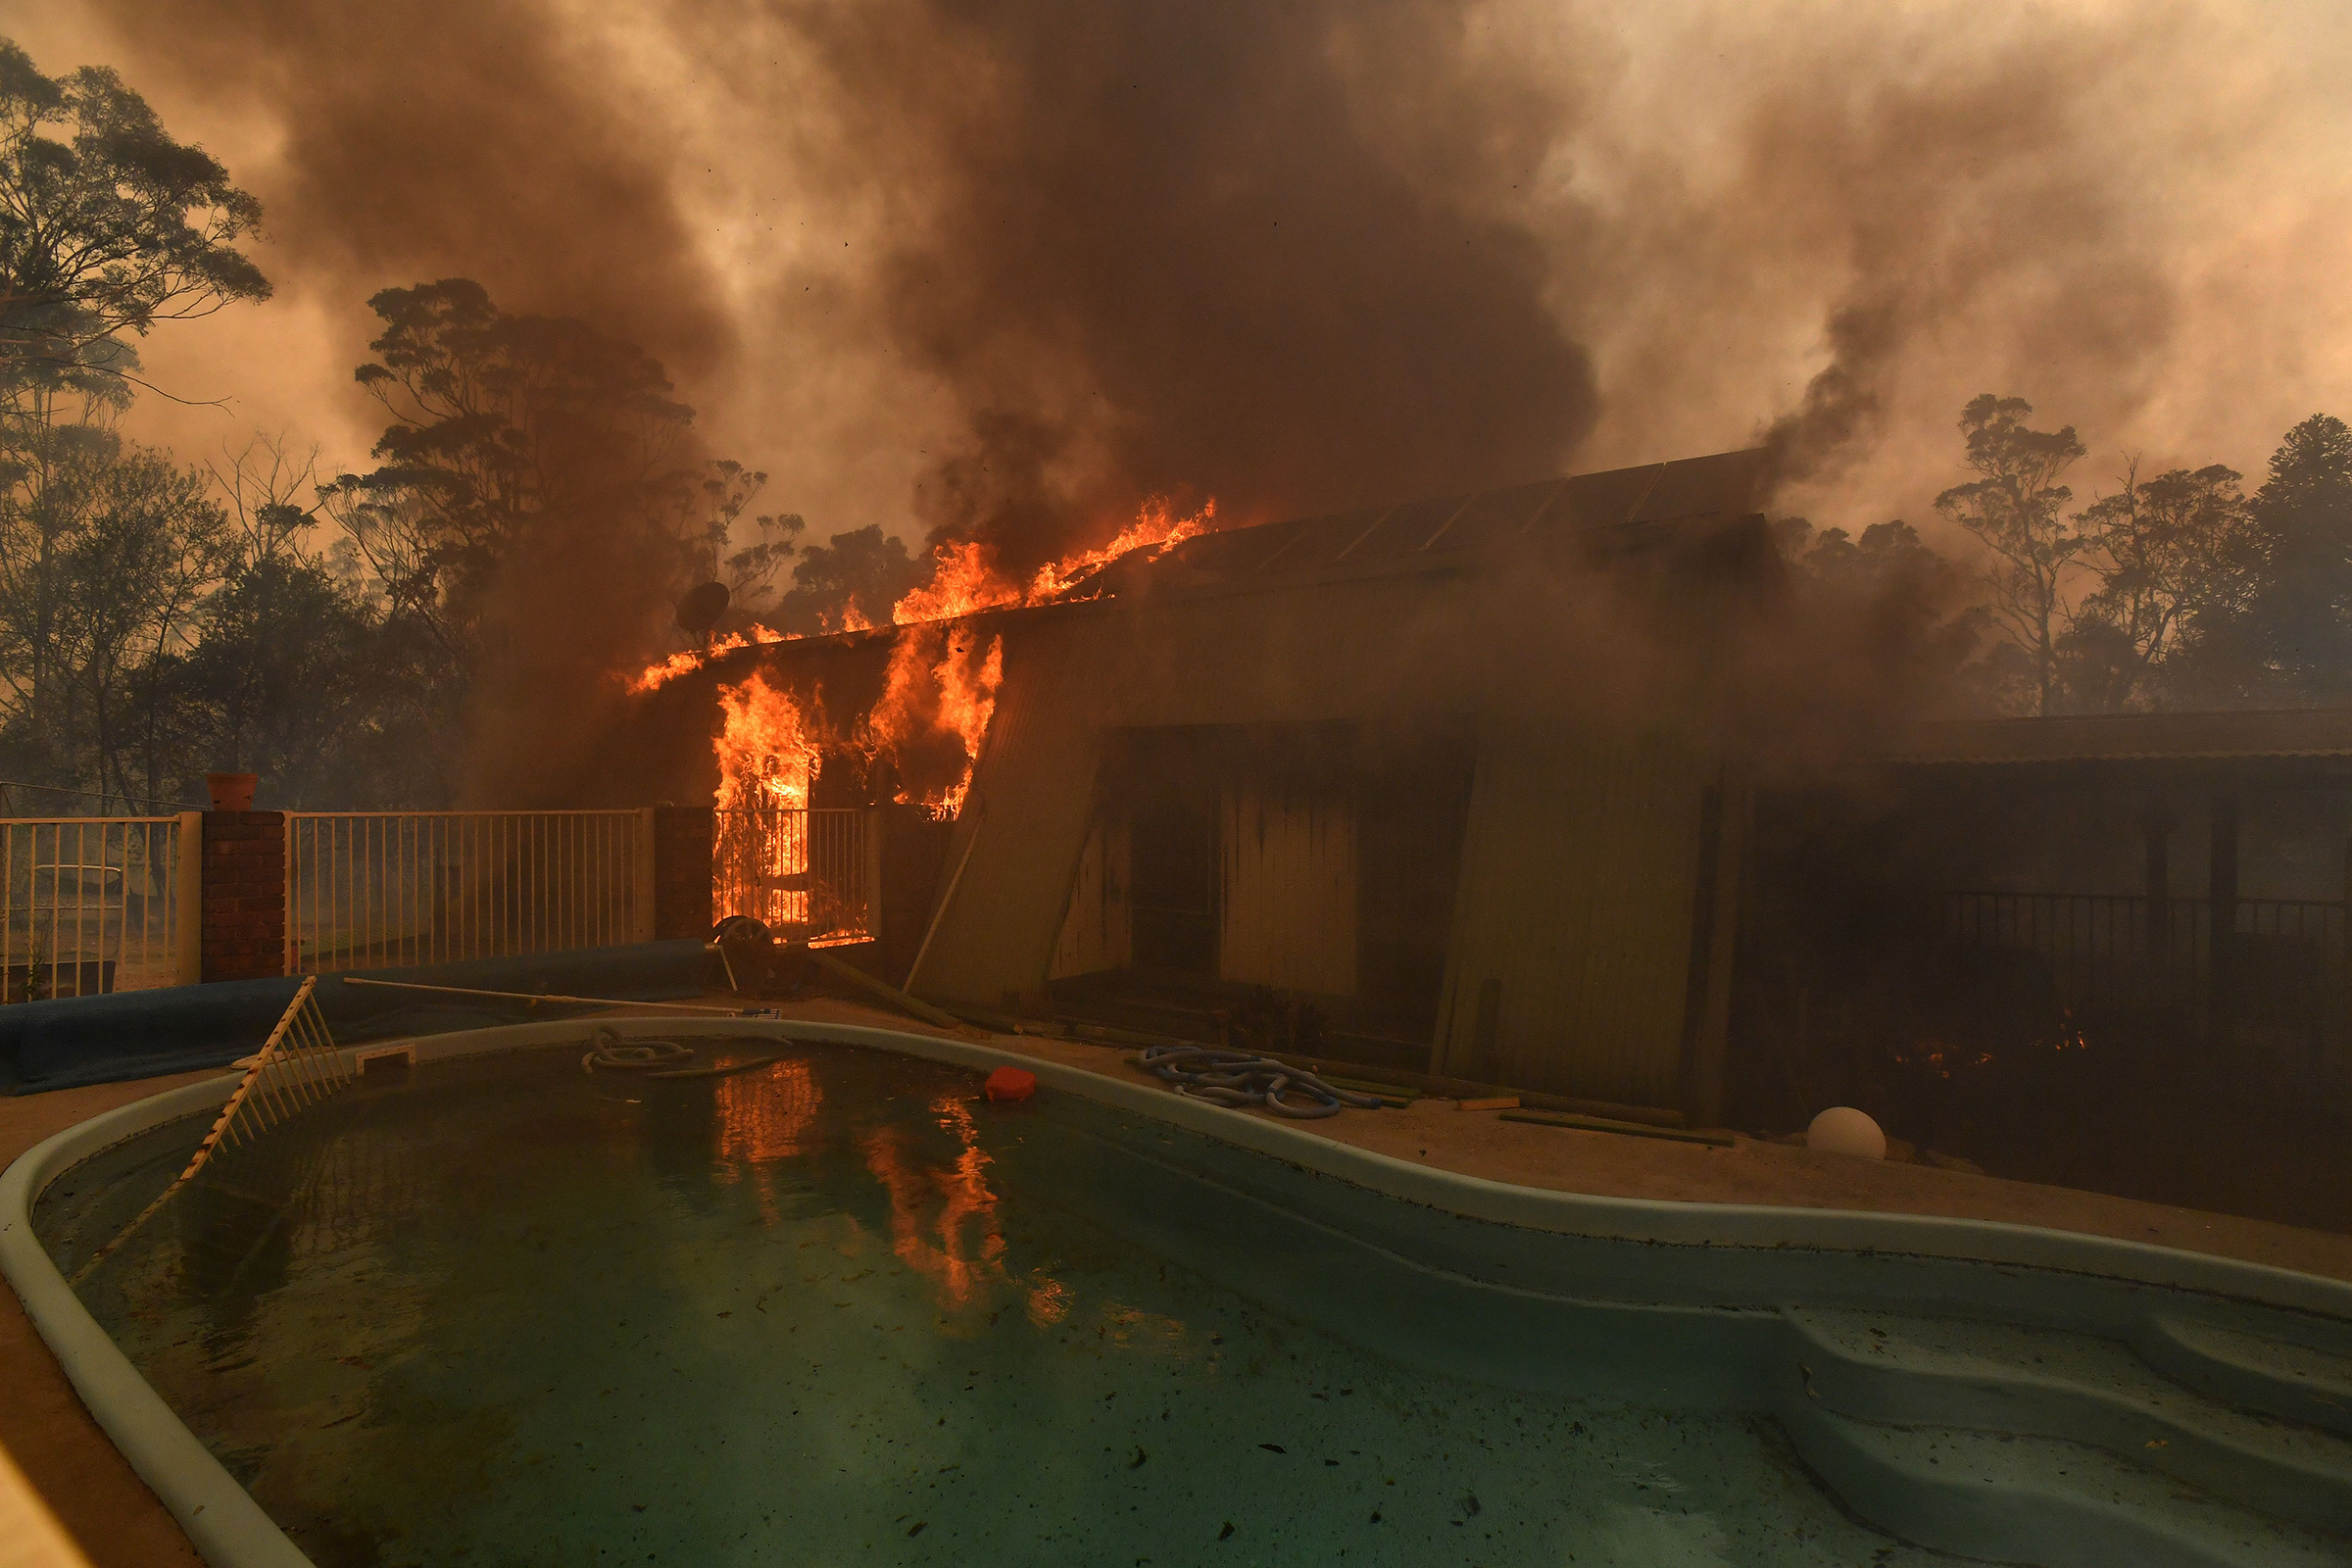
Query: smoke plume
x,y
973,267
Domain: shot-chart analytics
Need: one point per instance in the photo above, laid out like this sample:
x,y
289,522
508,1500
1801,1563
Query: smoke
x,y
973,267
1221,250
1972,200
417,140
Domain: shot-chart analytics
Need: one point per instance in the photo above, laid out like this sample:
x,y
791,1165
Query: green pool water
x,y
839,1309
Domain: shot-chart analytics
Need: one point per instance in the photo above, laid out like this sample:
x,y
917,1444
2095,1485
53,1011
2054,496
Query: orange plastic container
x,y
1010,1084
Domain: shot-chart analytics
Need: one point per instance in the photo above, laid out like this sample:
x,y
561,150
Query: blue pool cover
x,y
73,1041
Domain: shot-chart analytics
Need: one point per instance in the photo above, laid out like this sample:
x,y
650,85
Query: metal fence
x,y
1971,1009
94,904
812,874
2101,951
2278,993
374,888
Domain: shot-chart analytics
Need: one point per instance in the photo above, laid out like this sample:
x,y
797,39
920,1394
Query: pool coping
x,y
230,1529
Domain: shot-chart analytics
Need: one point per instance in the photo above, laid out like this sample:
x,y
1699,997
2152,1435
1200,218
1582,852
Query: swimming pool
x,y
840,1309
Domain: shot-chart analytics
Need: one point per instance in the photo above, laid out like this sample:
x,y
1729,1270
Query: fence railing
x,y
2280,986
813,873
2102,951
366,889
93,904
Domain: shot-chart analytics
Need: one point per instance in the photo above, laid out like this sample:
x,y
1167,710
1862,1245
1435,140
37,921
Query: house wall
x,y
1006,887
1288,880
1572,961
1099,933
1577,905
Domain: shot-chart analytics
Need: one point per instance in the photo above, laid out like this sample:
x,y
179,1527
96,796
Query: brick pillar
x,y
243,926
682,871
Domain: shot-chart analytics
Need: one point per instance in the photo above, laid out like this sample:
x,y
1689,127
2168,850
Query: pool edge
x,y
219,1517
230,1530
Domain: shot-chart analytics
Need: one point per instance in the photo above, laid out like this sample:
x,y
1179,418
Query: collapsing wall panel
x,y
1006,891
1099,932
1289,884
1572,955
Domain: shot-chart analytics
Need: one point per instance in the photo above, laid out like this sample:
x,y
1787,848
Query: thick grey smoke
x,y
421,140
974,266
1220,249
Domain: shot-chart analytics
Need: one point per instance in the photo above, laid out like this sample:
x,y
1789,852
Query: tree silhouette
x,y
2302,515
107,231
2176,559
2016,508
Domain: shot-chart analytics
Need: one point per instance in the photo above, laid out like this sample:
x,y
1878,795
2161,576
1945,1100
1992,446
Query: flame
x,y
1156,527
940,690
767,752
967,701
686,664
963,581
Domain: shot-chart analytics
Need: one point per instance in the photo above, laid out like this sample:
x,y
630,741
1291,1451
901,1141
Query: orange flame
x,y
963,581
942,683
767,750
966,582
1156,527
686,664
768,754
967,701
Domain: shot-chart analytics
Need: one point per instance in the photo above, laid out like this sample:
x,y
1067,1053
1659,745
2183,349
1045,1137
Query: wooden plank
x,y
1632,1129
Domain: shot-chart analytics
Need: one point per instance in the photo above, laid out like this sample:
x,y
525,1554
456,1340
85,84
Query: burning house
x,y
1423,779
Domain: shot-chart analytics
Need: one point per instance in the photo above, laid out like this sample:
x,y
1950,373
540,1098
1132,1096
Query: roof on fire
x,y
1441,530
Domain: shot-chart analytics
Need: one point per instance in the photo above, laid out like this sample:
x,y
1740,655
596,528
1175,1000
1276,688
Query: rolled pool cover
x,y
71,1041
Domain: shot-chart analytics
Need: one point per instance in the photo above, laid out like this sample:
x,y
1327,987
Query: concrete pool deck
x,y
111,1512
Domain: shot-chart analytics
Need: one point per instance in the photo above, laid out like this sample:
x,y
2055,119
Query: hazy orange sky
x,y
2133,215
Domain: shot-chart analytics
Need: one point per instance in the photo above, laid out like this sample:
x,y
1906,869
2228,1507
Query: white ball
x,y
1843,1130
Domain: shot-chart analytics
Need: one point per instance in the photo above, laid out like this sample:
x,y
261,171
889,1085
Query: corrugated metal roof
x,y
1442,530
1493,518
1693,488
1598,500
2319,732
1317,543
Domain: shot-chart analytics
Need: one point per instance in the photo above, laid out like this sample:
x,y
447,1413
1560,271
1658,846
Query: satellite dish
x,y
701,608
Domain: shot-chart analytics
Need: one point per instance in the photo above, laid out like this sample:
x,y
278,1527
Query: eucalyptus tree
x,y
2178,563
2302,517
2016,508
108,225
